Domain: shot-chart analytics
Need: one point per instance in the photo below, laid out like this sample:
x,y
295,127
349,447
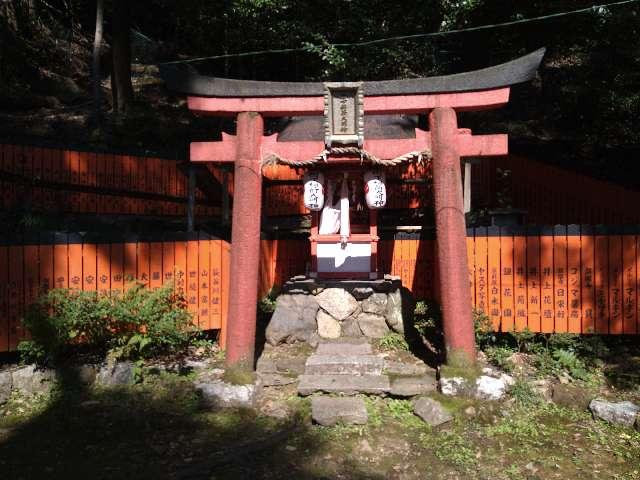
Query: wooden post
x,y
245,243
451,238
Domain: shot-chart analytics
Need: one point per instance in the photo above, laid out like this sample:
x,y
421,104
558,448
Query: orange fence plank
x,y
192,278
168,262
520,280
4,298
103,267
180,270
616,292
587,266
143,265
574,284
116,271
493,269
630,295
560,278
75,262
470,265
546,280
506,280
155,265
481,273
60,261
89,267
216,282
130,262
46,277
16,293
204,283
601,269
224,284
31,279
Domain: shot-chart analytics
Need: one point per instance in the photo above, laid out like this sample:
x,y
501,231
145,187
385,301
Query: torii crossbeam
x,y
439,97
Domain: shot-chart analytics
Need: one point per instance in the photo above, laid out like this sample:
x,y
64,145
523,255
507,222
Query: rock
x,y
571,395
375,303
470,411
343,384
392,367
619,413
337,302
318,364
294,319
30,380
193,364
490,388
291,365
218,394
454,386
360,293
543,388
344,348
118,373
266,365
329,411
412,386
393,313
372,326
6,383
276,379
350,328
431,411
64,88
328,327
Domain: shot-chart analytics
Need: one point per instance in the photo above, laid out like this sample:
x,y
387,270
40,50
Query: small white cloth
x,y
330,216
345,229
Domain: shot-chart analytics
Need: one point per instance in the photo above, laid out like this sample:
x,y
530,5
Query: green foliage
x,y
483,329
524,394
138,323
499,356
393,341
452,448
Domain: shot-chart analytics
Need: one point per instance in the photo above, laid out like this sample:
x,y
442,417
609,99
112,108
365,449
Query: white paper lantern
x,y
375,191
314,190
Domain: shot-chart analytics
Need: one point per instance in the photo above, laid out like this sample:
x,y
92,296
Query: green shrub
x,y
393,341
483,329
138,323
499,356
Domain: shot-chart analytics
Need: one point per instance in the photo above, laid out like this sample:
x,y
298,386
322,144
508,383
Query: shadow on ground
x,y
158,430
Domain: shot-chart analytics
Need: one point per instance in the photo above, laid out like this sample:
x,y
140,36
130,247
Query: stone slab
x,y
344,348
620,413
343,384
392,367
412,386
329,411
344,365
431,411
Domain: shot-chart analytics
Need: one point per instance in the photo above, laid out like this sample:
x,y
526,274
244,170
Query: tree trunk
x,y
96,71
121,87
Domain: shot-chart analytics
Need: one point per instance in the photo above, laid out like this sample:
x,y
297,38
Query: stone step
x,y
343,384
328,411
352,365
344,348
392,367
413,385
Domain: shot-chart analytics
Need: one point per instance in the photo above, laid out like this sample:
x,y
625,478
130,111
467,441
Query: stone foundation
x,y
309,309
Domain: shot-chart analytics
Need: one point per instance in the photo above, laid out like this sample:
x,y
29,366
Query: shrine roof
x,y
519,70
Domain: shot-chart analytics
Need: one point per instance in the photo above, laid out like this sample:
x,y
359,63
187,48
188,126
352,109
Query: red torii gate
x,y
440,97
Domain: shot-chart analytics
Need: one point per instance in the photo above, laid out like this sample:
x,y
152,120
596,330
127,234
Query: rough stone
x,y
412,386
294,319
328,327
6,383
343,384
329,411
393,313
431,411
276,379
318,364
292,365
218,394
344,348
619,413
30,380
455,386
572,396
392,367
119,373
543,388
266,365
490,388
373,326
376,303
86,374
360,293
337,302
350,328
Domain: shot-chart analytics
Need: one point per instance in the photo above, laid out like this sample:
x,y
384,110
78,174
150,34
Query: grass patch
x,y
239,375
393,341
